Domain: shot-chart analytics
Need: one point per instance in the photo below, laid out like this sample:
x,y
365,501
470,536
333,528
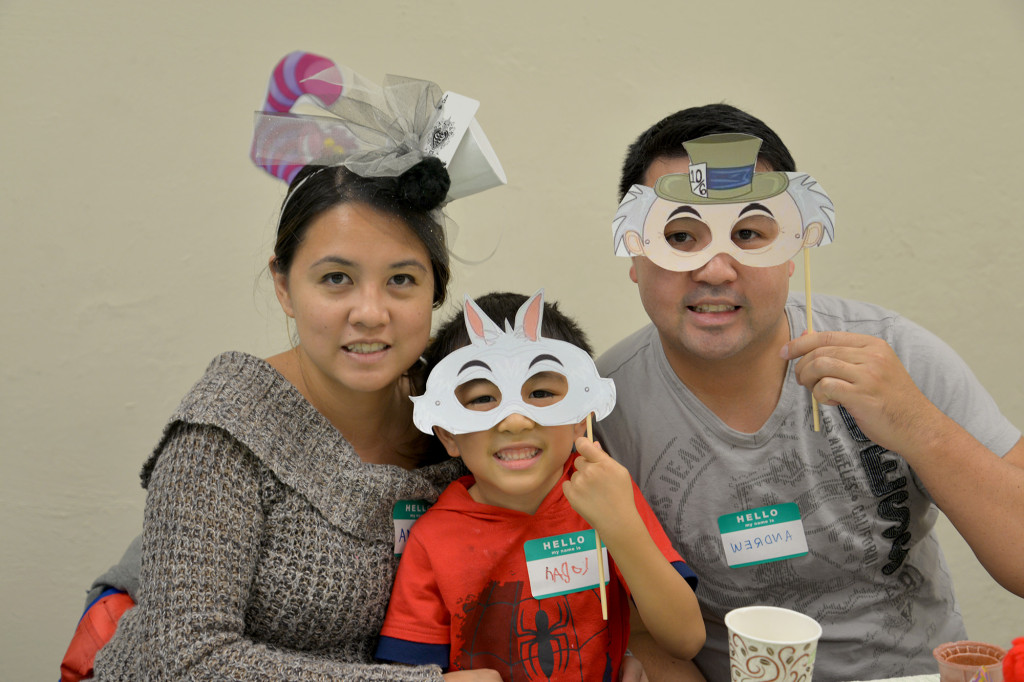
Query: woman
x,y
268,544
269,541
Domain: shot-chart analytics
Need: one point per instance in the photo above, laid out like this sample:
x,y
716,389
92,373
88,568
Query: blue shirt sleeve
x,y
412,653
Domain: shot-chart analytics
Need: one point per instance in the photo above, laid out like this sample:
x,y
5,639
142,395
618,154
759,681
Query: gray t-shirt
x,y
873,575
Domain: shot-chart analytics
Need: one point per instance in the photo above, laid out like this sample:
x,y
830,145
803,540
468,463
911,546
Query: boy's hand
x,y
600,490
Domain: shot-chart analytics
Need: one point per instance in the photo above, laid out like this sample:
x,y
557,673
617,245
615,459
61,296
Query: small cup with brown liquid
x,y
961,661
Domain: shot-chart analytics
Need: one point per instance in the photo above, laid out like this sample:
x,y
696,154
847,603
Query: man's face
x,y
719,310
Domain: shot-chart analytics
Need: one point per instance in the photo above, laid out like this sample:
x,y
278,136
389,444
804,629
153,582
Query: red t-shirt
x,y
462,597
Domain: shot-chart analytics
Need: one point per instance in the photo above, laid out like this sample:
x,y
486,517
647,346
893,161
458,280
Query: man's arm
x,y
981,492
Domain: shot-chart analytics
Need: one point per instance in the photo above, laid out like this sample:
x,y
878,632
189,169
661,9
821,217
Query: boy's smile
x,y
517,457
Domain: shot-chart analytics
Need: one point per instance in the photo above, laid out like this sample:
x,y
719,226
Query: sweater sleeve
x,y
201,545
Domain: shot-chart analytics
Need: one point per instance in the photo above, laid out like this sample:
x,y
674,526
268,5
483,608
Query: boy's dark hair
x,y
502,306
665,139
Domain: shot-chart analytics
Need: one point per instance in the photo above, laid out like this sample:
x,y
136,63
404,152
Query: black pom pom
x,y
425,185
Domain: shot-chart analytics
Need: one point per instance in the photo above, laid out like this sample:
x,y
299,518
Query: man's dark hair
x,y
666,137
502,306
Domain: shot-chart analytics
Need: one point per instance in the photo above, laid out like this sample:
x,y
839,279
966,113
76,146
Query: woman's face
x,y
360,289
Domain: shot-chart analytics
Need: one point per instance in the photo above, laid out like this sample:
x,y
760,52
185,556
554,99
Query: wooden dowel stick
x,y
597,539
810,327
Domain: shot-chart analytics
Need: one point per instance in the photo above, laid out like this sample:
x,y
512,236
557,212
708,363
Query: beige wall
x,y
136,231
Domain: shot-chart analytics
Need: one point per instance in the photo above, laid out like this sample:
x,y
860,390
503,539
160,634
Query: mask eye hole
x,y
545,388
479,394
755,232
687,234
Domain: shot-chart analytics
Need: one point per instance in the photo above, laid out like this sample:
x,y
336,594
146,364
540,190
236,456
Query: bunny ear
x,y
480,327
530,316
474,325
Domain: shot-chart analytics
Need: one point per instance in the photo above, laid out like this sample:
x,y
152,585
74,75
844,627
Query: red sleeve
x,y
654,527
661,539
95,629
416,612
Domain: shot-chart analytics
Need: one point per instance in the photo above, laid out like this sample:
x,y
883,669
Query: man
x,y
714,422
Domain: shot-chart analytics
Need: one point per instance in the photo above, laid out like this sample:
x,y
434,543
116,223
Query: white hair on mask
x,y
630,216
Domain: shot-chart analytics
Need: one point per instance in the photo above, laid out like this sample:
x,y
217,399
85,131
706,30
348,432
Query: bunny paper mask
x,y
507,359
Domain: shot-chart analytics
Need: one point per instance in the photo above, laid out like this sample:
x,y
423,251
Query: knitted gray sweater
x,y
268,545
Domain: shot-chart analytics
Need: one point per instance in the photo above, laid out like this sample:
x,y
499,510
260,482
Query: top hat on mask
x,y
721,172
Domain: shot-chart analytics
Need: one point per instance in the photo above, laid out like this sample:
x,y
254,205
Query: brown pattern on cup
x,y
787,664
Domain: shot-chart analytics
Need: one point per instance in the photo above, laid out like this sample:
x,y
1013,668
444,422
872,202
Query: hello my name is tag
x,y
404,514
757,536
562,564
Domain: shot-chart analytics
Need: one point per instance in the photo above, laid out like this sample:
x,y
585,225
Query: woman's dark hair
x,y
665,139
410,197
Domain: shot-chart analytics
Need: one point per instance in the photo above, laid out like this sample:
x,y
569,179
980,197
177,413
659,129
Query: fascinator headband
x,y
373,130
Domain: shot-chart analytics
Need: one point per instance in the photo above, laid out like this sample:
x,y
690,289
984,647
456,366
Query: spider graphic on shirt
x,y
523,638
545,645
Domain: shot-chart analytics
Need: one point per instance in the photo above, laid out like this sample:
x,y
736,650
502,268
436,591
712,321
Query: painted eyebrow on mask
x,y
545,356
474,363
683,209
755,207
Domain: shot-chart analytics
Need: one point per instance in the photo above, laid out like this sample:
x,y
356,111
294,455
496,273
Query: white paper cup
x,y
770,643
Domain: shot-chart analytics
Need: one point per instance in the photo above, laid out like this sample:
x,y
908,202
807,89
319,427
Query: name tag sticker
x,y
757,536
562,564
404,514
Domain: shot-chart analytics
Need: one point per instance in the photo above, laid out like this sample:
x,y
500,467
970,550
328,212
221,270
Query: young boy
x,y
502,572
